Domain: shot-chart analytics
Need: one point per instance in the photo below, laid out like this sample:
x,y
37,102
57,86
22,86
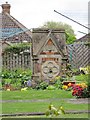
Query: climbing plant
x,y
18,47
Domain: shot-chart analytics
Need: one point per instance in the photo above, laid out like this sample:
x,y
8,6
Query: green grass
x,y
56,97
35,94
24,107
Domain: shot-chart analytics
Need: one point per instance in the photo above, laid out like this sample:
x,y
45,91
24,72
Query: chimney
x,y
6,8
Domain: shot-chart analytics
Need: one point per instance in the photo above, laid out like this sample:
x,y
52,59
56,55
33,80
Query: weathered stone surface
x,y
49,48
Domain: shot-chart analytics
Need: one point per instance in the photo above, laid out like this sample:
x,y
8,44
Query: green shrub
x,y
42,85
82,78
58,84
15,77
7,81
53,111
51,87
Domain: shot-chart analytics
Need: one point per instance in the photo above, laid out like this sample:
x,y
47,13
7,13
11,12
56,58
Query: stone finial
x,y
6,8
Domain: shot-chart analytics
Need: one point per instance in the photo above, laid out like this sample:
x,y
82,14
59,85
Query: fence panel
x,y
78,55
11,61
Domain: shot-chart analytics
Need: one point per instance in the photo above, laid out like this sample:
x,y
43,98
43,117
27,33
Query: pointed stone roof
x,y
12,27
40,36
52,37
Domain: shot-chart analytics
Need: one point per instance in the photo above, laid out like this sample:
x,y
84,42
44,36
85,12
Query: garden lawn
x,y
35,94
27,107
38,101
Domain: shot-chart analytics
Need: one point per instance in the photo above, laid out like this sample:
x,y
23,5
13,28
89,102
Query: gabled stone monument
x,y
49,53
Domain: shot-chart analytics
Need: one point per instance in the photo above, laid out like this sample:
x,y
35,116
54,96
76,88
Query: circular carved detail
x,y
45,69
55,69
50,69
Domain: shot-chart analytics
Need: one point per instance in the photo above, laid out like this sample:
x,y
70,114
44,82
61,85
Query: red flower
x,y
77,90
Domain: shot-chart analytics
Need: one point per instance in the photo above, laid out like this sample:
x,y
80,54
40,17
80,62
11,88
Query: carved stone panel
x,y
50,69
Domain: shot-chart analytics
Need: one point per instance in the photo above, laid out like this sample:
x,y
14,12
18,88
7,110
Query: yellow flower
x,y
71,91
78,84
8,89
83,85
69,84
24,89
64,87
61,107
58,77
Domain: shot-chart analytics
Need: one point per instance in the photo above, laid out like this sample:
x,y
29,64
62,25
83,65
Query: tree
x,y
70,36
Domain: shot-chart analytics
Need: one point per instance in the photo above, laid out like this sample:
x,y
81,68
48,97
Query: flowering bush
x,y
80,90
86,69
68,86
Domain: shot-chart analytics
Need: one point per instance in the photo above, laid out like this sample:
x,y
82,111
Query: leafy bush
x,y
58,84
82,78
51,87
52,111
7,81
16,77
43,85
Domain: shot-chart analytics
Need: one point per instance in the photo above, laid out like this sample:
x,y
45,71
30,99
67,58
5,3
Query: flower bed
x,y
78,90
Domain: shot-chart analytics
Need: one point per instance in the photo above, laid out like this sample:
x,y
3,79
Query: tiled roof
x,y
12,29
84,38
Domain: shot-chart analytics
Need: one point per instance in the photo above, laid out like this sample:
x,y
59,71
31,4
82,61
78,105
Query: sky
x,y
34,13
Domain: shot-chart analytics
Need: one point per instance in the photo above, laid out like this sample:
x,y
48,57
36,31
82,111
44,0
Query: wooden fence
x,y
78,55
11,61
